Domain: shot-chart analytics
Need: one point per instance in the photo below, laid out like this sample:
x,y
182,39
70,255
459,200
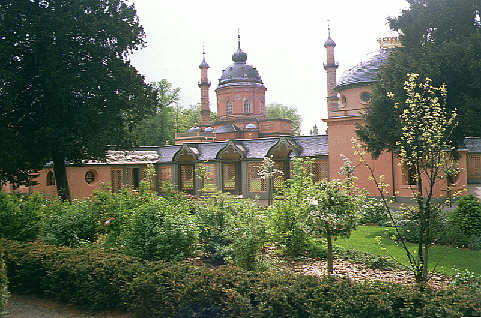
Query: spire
x,y
239,56
238,38
204,63
329,42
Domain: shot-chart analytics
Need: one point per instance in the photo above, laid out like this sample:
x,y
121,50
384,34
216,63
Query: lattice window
x,y
255,182
229,177
186,178
279,179
474,166
165,176
320,170
50,178
209,182
116,177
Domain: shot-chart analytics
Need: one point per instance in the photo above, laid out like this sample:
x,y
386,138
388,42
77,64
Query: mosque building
x,y
226,155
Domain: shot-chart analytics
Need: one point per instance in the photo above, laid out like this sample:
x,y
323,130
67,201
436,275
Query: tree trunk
x,y
330,266
425,264
61,181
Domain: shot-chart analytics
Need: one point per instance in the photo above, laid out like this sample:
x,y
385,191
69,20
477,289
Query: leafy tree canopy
x,y
67,88
442,41
274,111
158,128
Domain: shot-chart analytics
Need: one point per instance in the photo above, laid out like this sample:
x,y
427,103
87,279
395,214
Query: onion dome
x,y
329,42
204,63
364,73
240,73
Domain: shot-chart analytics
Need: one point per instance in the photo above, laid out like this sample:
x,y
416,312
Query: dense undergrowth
x,y
105,280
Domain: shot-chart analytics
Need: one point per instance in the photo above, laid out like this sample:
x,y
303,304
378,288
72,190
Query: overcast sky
x,y
283,40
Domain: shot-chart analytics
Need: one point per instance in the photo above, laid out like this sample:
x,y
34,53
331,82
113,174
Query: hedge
x,y
105,280
3,287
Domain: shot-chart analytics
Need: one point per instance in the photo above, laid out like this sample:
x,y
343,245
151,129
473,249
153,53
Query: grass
x,y
442,258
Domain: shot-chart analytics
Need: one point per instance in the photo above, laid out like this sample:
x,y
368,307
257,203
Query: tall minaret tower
x,y
331,66
204,85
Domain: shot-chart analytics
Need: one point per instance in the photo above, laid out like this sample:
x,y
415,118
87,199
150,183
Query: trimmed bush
x,y
465,223
3,287
103,280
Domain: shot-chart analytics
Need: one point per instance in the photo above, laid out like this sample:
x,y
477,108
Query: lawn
x,y
442,258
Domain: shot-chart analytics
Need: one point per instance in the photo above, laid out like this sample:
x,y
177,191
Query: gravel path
x,y
21,306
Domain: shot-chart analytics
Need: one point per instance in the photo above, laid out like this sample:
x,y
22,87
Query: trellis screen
x,y
255,182
116,177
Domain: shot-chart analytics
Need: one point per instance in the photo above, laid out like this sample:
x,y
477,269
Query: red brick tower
x,y
331,66
204,85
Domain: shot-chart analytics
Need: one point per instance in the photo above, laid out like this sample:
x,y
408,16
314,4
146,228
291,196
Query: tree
x,y
158,128
424,149
189,117
67,88
441,40
275,111
333,212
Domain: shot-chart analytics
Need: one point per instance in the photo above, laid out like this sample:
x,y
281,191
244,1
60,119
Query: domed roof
x,y
194,129
364,72
240,73
251,126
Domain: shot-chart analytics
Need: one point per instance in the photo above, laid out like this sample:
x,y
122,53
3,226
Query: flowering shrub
x,y
373,211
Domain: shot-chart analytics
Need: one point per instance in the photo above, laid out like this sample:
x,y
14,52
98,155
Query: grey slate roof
x,y
208,151
166,153
312,146
364,72
473,144
258,148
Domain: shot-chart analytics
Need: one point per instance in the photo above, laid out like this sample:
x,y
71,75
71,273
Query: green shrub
x,y
103,280
3,287
373,212
231,230
465,222
70,224
160,229
20,216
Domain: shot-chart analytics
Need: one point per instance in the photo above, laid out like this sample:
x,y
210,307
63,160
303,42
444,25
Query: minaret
x,y
331,66
204,85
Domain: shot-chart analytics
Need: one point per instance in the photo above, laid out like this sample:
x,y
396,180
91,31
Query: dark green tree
x,y
159,128
189,117
441,40
274,111
67,88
